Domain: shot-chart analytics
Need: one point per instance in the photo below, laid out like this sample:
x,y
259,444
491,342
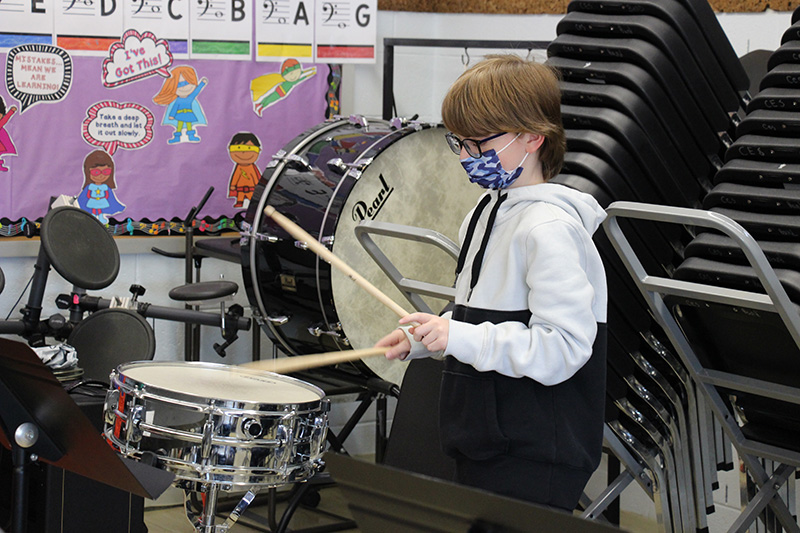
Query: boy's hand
x,y
400,347
431,330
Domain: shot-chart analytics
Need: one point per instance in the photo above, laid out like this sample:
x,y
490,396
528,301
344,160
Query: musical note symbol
x,y
129,226
270,5
141,5
207,5
330,9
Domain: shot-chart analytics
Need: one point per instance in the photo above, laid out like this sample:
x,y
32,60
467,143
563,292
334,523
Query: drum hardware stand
x,y
48,425
204,520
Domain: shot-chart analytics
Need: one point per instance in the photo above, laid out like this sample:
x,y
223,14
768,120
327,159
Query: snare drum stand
x,y
203,522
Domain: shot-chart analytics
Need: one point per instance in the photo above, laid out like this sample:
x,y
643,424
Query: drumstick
x,y
318,248
286,365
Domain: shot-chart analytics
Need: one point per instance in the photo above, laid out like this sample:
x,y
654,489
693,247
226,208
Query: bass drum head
x,y
415,181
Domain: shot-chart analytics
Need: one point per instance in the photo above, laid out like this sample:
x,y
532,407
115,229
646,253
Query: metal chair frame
x,y
654,288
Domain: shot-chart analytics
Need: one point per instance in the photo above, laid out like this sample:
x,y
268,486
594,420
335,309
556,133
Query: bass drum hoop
x,y
277,172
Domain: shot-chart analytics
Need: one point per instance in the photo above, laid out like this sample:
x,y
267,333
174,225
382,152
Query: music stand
x,y
386,499
38,418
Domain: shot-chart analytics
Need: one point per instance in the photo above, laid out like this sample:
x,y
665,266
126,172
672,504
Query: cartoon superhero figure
x,y
97,196
6,145
270,88
244,150
179,93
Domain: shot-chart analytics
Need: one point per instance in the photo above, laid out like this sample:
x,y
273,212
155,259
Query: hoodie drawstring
x,y
478,261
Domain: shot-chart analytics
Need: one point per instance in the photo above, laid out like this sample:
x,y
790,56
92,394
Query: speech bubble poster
x,y
122,133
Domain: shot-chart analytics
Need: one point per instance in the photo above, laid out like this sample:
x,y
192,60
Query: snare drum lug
x,y
208,435
112,401
132,431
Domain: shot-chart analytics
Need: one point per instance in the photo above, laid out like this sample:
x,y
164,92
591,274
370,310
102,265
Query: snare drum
x,y
327,180
216,424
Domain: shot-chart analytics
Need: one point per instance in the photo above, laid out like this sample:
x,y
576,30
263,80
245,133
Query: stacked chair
x,y
658,110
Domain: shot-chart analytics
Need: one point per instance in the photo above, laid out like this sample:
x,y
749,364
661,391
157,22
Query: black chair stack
x,y
652,95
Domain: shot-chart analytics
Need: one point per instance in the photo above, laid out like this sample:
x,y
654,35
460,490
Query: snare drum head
x,y
415,181
206,381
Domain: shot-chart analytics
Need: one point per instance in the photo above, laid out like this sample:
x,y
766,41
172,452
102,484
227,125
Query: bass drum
x,y
327,180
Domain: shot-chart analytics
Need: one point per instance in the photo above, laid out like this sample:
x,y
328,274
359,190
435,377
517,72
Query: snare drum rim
x,y
139,388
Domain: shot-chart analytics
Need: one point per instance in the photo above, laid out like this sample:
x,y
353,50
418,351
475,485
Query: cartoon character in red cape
x,y
6,145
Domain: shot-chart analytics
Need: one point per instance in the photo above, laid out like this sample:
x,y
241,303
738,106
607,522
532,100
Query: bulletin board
x,y
137,111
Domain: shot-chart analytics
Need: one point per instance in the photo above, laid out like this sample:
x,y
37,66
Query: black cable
x,y
20,296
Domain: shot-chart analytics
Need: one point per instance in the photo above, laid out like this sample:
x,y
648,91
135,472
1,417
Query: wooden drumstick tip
x,y
269,210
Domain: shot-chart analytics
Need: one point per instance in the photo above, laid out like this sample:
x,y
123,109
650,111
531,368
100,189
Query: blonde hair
x,y
168,91
505,93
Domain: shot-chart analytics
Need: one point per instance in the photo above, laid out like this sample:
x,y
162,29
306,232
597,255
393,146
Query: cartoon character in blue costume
x,y
179,93
97,196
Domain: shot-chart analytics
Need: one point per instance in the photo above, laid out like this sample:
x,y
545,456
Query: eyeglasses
x,y
472,146
97,171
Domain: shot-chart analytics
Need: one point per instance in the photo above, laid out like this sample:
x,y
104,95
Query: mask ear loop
x,y
509,144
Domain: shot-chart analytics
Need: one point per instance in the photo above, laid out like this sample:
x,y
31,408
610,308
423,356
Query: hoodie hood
x,y
580,206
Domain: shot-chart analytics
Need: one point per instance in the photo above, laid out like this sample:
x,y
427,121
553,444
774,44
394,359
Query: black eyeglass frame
x,y
456,144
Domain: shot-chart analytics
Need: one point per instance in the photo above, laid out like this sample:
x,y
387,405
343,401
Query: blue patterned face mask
x,y
488,172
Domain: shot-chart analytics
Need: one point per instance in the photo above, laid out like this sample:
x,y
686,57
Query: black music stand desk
x,y
32,401
387,499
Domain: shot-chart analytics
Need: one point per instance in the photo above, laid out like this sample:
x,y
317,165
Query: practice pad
x,y
652,60
2,281
722,248
752,172
758,199
681,123
764,226
785,75
627,102
776,99
110,337
788,52
659,34
80,248
768,122
796,14
672,178
677,16
763,148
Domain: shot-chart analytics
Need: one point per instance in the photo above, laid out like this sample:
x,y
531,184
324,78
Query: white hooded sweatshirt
x,y
540,257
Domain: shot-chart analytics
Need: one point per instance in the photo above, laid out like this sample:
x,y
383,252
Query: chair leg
x,y
766,496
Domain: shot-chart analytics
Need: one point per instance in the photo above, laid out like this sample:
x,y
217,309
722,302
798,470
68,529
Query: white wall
x,y
422,76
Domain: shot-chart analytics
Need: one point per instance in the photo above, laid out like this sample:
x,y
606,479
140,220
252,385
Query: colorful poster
x,y
221,29
87,27
345,31
25,22
139,151
285,29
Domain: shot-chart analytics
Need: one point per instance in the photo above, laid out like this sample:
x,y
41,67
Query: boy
x,y
523,391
